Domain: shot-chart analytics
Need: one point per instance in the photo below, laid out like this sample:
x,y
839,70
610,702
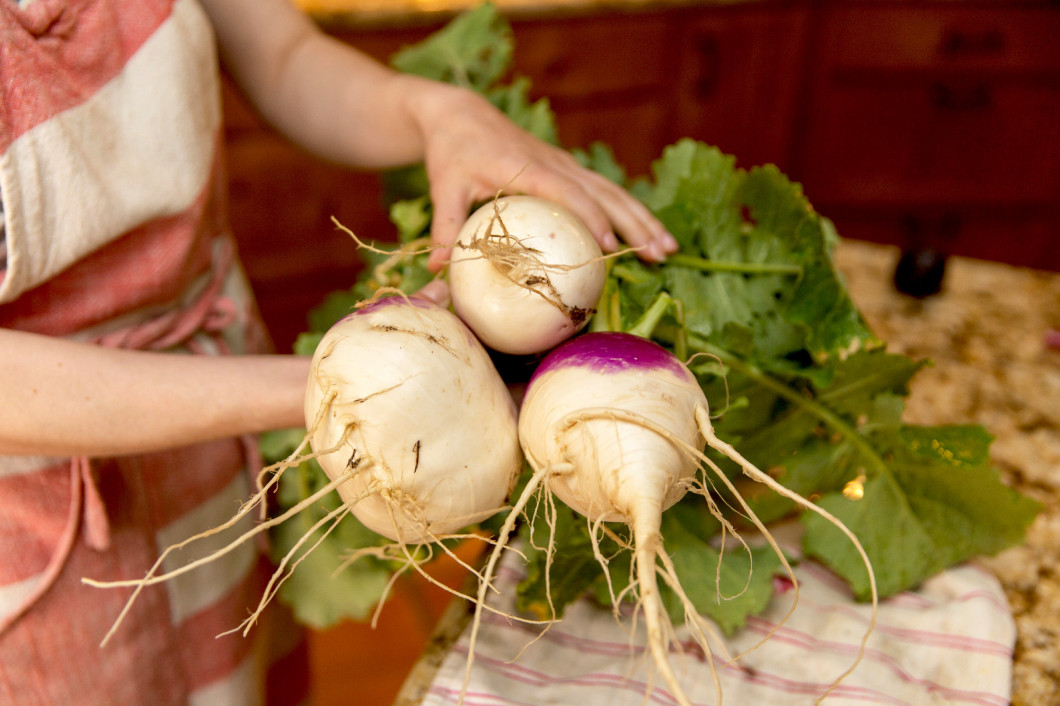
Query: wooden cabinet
x,y
739,75
934,126
639,81
607,79
922,123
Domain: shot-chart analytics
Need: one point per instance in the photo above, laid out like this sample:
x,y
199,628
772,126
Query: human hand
x,y
472,150
437,291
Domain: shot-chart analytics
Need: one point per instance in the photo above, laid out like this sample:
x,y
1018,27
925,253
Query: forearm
x,y
59,397
350,109
322,94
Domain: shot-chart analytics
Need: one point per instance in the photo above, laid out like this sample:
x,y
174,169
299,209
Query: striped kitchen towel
x,y
950,642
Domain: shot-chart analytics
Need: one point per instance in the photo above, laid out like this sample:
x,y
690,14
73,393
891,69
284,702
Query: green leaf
x,y
755,262
726,587
963,446
472,51
863,376
306,343
933,508
693,191
601,159
334,307
819,303
319,595
820,401
412,217
533,116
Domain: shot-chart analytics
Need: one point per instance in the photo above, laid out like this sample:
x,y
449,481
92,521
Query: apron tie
x,y
95,529
211,312
43,17
65,545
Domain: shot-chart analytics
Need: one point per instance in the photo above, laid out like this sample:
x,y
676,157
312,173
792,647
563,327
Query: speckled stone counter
x,y
986,333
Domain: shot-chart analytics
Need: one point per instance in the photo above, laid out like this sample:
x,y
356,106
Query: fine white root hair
x,y
652,561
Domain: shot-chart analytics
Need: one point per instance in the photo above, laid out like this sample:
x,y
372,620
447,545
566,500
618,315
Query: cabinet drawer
x,y
584,56
952,140
738,80
635,131
901,37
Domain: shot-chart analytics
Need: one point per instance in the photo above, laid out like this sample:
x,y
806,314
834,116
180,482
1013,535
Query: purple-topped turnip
x,y
615,426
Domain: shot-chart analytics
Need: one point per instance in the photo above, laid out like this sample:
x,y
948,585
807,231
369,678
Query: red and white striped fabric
x,y
950,642
111,179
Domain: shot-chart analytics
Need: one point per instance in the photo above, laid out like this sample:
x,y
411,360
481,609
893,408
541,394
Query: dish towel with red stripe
x,y
950,642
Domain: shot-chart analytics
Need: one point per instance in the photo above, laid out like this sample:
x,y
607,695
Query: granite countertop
x,y
986,333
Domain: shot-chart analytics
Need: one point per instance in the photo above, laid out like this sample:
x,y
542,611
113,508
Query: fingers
x,y
450,211
437,291
629,217
603,206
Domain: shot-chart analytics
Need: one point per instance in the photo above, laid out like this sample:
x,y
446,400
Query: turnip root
x,y
525,274
614,425
412,424
415,404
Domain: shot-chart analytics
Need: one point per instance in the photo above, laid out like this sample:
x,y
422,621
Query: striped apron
x,y
111,180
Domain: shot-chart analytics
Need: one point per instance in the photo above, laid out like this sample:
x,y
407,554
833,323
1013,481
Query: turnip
x,y
525,274
614,425
414,402
412,424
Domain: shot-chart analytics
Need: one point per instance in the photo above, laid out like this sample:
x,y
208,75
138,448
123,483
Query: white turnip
x,y
614,425
412,424
413,402
525,274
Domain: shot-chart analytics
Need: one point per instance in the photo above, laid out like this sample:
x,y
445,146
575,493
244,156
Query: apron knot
x,y
209,312
47,17
95,528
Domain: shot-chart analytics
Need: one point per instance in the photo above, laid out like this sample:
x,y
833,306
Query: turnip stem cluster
x,y
420,437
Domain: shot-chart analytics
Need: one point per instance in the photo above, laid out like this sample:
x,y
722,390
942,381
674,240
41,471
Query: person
x,y
133,367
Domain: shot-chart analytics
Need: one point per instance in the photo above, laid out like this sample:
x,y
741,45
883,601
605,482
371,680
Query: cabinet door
x,y
941,118
607,77
922,140
739,76
937,105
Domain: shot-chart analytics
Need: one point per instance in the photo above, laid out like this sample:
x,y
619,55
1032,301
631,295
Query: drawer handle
x,y
709,52
957,97
957,43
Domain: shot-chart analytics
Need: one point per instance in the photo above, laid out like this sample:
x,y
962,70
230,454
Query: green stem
x,y
627,274
681,340
601,320
752,268
645,326
830,418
